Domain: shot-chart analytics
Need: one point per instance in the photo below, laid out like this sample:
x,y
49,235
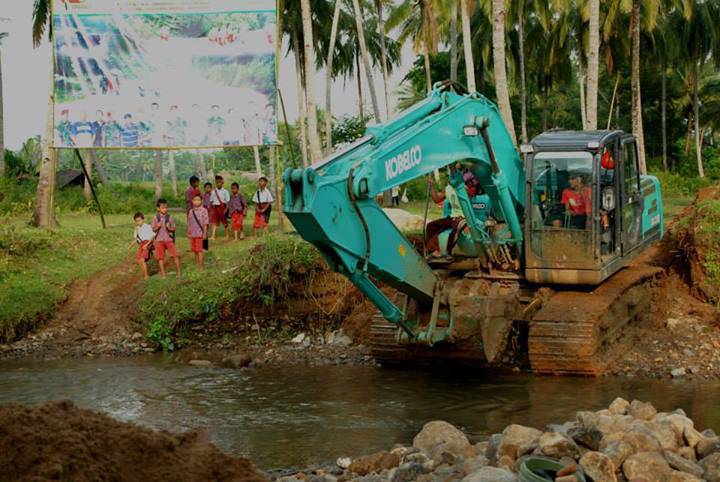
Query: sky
x,y
27,78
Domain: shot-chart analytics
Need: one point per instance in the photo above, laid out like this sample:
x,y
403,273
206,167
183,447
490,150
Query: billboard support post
x,y
92,187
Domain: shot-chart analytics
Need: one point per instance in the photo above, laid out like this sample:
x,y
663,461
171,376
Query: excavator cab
x,y
589,208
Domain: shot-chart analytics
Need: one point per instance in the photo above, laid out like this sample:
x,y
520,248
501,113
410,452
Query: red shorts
x,y
260,221
217,215
237,221
143,252
161,246
196,245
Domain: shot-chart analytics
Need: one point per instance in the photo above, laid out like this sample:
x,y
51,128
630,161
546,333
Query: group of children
x,y
211,208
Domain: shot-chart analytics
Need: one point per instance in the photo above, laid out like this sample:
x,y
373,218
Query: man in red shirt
x,y
577,200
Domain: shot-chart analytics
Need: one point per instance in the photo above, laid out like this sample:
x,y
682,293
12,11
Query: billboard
x,y
139,74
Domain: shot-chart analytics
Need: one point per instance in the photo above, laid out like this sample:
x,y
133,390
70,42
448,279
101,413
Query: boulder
x,y
557,445
641,439
687,453
678,422
677,476
409,472
692,437
619,406
707,446
492,447
472,465
438,437
665,433
491,474
618,452
682,464
598,466
711,467
517,440
647,465
589,437
641,410
240,360
374,463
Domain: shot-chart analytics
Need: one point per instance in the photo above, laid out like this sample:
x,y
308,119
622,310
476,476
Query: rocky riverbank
x,y
628,441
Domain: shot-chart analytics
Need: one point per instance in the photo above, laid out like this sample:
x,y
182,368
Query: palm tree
x,y
467,6
593,57
637,125
453,39
309,50
3,35
499,66
366,58
383,54
329,77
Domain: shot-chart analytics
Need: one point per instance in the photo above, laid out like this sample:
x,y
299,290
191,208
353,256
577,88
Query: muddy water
x,y
296,416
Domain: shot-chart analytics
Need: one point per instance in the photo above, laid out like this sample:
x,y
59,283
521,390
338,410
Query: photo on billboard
x,y
164,73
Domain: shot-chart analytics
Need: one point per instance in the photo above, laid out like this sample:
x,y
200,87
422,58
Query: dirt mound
x,y
693,246
58,441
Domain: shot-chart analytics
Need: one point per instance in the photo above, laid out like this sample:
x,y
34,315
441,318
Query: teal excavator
x,y
552,275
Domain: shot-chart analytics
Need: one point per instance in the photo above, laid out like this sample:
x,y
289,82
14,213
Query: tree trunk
x,y
582,79
591,102
467,45
2,122
366,59
44,210
88,158
100,169
545,108
499,66
158,174
300,82
383,55
696,115
329,78
688,136
172,172
200,164
258,166
309,50
428,72
523,89
453,41
663,111
636,97
361,101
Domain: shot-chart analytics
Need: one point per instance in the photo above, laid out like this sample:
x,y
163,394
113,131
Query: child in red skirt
x,y
143,239
263,200
219,197
197,223
238,208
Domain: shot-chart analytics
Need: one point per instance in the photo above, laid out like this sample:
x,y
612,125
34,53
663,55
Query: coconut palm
x,y
500,66
309,67
593,56
3,35
366,58
383,53
467,7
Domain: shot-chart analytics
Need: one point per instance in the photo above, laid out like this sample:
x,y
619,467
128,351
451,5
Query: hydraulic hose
x,y
353,200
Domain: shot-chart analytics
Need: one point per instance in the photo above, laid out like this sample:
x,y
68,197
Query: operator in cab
x,y
453,217
577,200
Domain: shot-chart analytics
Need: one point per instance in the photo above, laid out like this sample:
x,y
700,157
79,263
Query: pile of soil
x,y
693,246
58,441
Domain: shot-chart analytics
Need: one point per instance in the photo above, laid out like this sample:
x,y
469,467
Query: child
x,y
164,227
263,200
197,222
219,197
190,193
206,196
143,235
238,208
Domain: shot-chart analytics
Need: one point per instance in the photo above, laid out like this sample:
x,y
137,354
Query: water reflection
x,y
298,415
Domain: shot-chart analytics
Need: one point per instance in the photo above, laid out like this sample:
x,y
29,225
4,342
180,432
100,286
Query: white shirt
x,y
452,197
395,191
224,196
262,197
144,233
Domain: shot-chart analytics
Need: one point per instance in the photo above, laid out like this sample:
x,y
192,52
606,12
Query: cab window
x,y
630,168
562,193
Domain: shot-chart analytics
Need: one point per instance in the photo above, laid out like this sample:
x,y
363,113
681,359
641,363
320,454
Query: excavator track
x,y
574,333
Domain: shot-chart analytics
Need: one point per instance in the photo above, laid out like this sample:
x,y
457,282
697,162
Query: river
x,y
295,416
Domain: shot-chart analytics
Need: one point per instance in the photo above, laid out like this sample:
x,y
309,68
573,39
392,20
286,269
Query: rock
x,y
517,441
338,338
680,463
136,337
665,433
641,410
709,433
618,452
200,363
647,465
557,445
474,464
711,467
707,446
692,437
678,422
438,437
641,439
240,360
492,447
677,372
586,436
409,472
677,476
687,453
491,474
619,406
598,466
374,463
343,462
299,338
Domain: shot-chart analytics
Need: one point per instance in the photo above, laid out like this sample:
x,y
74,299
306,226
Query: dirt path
x,y
99,316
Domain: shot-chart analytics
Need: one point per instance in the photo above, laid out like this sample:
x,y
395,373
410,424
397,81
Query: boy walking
x,y
263,200
238,208
197,223
163,226
144,236
190,192
206,196
219,197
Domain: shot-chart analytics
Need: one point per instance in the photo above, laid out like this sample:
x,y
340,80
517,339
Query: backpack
x,y
167,220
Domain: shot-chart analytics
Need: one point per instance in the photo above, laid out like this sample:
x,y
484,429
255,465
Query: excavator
x,y
539,278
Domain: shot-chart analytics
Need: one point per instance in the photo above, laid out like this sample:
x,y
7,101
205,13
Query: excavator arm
x,y
332,204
